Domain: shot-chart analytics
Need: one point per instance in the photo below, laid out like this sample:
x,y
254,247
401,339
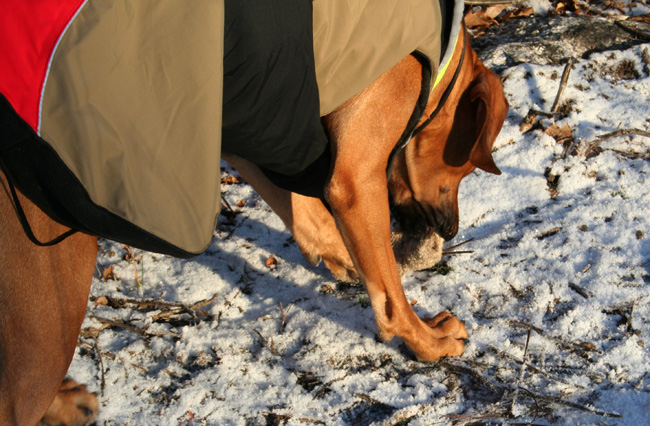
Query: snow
x,y
540,7
574,270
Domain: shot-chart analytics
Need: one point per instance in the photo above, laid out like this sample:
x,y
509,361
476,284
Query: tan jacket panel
x,y
357,41
142,82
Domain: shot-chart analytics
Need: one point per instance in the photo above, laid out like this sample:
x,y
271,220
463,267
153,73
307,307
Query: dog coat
x,y
113,113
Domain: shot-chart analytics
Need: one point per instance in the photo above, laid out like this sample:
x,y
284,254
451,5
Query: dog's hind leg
x,y
43,296
310,223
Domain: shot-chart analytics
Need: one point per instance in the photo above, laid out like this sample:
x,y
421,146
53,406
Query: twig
x,y
633,155
530,121
623,132
521,374
591,146
488,2
640,382
142,332
225,203
449,250
324,387
451,253
569,345
534,369
157,304
139,283
581,291
563,82
173,308
468,417
270,346
537,407
549,233
121,325
632,28
544,113
506,387
283,314
124,362
101,365
458,245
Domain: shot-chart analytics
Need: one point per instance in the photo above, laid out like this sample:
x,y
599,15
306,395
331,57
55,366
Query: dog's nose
x,y
448,231
445,222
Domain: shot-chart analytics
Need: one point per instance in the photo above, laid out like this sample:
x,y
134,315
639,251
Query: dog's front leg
x,y
363,132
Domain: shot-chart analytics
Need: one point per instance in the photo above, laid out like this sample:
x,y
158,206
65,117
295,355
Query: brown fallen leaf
x,y
479,19
271,263
641,18
495,10
108,274
230,180
560,134
521,12
129,256
588,346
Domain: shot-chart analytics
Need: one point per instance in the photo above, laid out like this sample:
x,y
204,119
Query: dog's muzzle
x,y
421,220
420,233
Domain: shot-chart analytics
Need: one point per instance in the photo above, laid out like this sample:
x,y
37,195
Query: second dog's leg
x,y
310,223
43,296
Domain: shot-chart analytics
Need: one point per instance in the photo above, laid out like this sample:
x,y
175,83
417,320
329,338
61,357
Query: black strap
x,y
22,218
408,134
420,106
447,92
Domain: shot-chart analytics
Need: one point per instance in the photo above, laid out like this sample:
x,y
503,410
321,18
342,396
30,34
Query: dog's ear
x,y
491,111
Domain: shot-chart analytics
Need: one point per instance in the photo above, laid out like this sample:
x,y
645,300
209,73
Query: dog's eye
x,y
87,411
445,189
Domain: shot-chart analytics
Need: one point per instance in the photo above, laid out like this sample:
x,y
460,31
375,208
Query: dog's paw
x,y
72,406
446,337
447,325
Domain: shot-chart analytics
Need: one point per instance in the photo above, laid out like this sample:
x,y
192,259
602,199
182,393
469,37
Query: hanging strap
x,y
22,218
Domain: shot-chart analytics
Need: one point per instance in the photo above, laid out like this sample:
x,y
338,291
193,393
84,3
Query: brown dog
x,y
43,291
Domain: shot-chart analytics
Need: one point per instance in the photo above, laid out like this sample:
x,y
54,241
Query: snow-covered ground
x,y
559,273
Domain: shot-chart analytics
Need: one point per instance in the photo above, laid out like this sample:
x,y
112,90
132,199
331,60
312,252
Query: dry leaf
x,y
478,19
271,262
641,18
230,180
102,300
129,256
588,346
523,12
560,134
326,288
242,203
494,11
108,274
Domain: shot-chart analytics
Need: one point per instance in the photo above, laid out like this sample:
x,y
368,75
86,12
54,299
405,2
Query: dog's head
x,y
424,183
